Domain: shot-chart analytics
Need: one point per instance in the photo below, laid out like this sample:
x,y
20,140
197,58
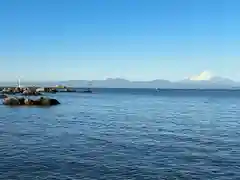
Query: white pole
x,y
19,85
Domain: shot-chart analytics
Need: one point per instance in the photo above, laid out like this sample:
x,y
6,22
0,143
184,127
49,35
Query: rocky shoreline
x,y
21,101
18,96
33,91
14,96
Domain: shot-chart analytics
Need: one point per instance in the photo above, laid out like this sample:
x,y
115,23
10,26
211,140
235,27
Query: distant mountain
x,y
222,80
214,82
117,83
211,83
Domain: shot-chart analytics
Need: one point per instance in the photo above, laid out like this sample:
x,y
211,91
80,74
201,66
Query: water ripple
x,y
126,136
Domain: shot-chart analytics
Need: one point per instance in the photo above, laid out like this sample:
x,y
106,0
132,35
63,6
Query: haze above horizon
x,y
130,39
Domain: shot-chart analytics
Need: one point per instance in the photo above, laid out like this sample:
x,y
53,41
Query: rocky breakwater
x,y
33,91
46,89
21,101
29,91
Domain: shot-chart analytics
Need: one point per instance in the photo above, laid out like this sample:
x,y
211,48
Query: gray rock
x,y
11,101
3,96
43,101
28,102
17,101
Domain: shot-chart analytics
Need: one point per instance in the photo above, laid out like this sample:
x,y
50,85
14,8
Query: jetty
x,y
34,90
37,90
11,96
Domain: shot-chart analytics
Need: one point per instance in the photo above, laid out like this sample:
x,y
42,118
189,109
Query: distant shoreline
x,y
213,83
137,88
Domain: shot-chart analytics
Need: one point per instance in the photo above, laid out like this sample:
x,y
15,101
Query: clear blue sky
x,y
133,39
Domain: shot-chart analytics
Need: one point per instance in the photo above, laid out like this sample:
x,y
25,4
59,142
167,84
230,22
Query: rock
x,y
17,90
37,94
11,101
53,91
54,102
28,102
3,96
8,91
40,90
21,101
25,92
43,101
30,93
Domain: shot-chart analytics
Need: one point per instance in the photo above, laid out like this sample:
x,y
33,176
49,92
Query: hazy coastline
x,y
214,83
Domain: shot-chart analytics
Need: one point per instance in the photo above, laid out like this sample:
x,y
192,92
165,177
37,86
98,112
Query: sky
x,y
132,39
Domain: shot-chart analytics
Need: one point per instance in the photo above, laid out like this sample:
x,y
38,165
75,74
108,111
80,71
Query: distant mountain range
x,y
215,82
212,83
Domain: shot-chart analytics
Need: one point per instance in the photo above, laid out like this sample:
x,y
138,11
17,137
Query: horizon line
x,y
117,78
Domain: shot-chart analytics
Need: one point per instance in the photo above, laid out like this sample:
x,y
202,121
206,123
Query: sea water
x,y
124,134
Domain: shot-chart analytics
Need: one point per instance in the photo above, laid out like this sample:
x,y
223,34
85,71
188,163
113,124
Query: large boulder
x,y
11,101
44,101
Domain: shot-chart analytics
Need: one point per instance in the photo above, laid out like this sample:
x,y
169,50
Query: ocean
x,y
132,134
